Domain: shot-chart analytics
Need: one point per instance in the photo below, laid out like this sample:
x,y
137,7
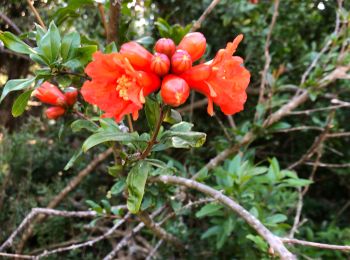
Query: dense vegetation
x,y
287,166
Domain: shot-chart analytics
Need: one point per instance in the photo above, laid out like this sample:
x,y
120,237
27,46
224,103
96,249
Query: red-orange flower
x,y
223,80
50,94
116,87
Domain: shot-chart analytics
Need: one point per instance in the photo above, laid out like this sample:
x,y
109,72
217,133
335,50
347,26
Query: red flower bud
x,y
181,61
71,95
54,112
138,56
50,94
194,43
160,64
174,90
166,46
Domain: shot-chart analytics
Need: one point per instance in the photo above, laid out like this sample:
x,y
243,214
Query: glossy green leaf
x,y
136,182
72,160
15,84
118,187
50,43
70,43
14,43
152,111
80,124
209,210
20,103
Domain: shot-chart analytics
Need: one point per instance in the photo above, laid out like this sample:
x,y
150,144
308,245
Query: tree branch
x,y
274,242
113,22
10,23
314,244
36,13
204,15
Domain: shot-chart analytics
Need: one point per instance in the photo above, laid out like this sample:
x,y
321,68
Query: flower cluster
x,y
52,95
121,81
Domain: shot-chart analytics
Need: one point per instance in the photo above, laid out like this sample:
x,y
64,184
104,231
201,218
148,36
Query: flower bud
x,y
50,94
174,90
71,95
160,64
194,43
54,112
180,62
166,46
138,56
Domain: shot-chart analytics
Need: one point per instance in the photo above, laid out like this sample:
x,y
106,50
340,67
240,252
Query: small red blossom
x,y
223,80
166,46
71,95
160,64
195,45
138,56
174,90
180,62
54,112
116,86
50,94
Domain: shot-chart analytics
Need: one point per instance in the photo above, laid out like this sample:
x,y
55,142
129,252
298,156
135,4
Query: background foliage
x,y
34,151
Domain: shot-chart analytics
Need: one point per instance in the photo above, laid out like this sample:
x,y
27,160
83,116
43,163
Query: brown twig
x,y
10,23
17,256
71,186
101,9
330,165
298,128
204,15
128,236
273,240
131,127
158,231
36,13
267,56
113,22
337,135
154,250
153,140
309,111
314,244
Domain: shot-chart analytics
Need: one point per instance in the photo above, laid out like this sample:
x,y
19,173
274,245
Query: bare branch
x,y
36,13
10,23
152,253
70,187
337,135
158,231
267,56
36,211
101,9
207,11
330,165
309,111
17,256
87,243
314,244
128,236
273,240
298,128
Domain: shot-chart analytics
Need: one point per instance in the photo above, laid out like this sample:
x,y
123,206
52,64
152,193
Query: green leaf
x,y
296,183
181,136
173,117
136,182
152,111
112,47
70,43
95,206
80,124
107,136
212,231
40,32
15,84
118,187
72,160
115,170
14,43
211,209
275,219
20,103
50,43
147,40
106,205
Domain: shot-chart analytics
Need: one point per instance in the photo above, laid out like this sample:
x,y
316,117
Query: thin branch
x,y
330,165
298,128
101,9
275,243
51,212
128,236
204,15
196,104
70,187
314,244
36,13
10,23
87,243
17,256
113,22
158,231
337,135
154,250
309,111
267,56
153,140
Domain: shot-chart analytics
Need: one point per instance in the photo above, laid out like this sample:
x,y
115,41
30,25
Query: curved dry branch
x,y
274,241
